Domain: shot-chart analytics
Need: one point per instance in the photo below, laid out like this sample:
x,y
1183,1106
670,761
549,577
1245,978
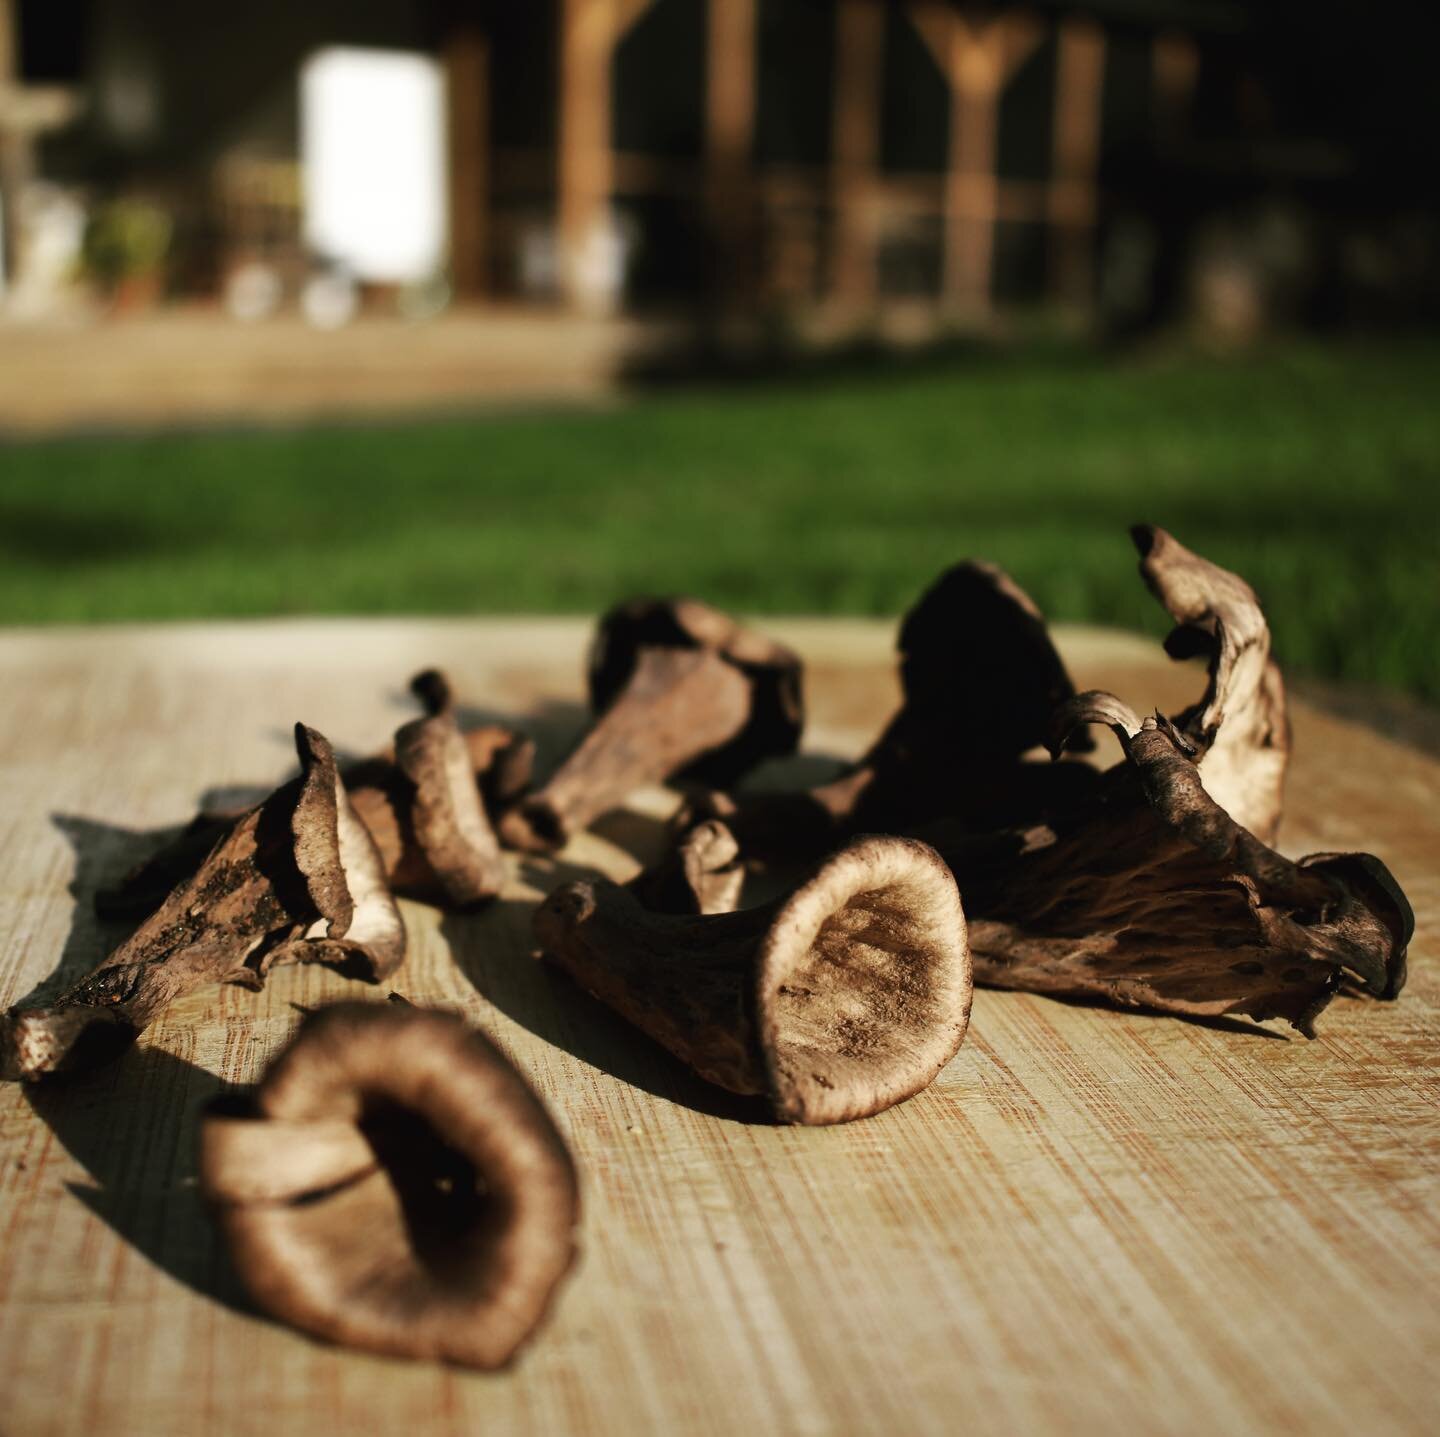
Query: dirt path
x,y
199,366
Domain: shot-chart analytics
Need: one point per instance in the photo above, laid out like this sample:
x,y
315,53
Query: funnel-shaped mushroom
x,y
1154,897
980,679
396,1186
423,801
843,998
296,879
676,687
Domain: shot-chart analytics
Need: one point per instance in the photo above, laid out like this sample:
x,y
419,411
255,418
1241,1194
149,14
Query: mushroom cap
x,y
777,710
977,663
863,986
398,1187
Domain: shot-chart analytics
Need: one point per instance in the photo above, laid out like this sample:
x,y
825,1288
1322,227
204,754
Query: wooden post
x,y
467,69
589,32
14,147
977,57
586,41
971,190
1175,63
729,140
859,41
25,111
1079,83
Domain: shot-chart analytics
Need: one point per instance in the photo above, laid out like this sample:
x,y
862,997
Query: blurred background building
x,y
355,305
825,164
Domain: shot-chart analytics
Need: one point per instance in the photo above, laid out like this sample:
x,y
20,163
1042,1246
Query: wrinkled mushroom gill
x,y
1155,897
1164,927
399,1188
858,986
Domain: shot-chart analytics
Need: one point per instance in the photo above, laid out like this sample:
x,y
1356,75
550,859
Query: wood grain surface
x,y
1095,1221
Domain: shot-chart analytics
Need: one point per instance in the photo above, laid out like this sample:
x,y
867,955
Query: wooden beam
x,y
932,20
14,148
729,143
1079,85
855,149
586,41
589,33
730,83
467,68
977,57
1174,64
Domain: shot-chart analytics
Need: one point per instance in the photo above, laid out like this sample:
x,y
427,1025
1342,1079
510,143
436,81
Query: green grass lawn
x,y
1313,471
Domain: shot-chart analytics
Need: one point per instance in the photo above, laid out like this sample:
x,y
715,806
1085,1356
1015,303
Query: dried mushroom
x,y
297,879
1150,885
424,801
836,1002
1239,727
677,688
425,811
1154,897
980,679
395,1186
1159,891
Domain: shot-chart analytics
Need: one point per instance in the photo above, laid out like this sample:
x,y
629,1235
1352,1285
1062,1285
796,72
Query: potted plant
x,y
126,241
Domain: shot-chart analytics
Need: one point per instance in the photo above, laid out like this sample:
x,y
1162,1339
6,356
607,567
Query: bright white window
x,y
372,146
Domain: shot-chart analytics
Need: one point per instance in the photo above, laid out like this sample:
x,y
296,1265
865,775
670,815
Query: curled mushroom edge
x,y
425,800
297,879
394,1185
836,1002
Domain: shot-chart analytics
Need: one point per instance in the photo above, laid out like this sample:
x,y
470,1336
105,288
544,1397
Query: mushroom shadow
x,y
548,1004
1218,1023
643,836
104,853
647,838
133,1126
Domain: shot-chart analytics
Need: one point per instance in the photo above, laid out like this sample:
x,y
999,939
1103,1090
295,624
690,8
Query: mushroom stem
x,y
677,688
395,1186
838,1001
679,705
294,880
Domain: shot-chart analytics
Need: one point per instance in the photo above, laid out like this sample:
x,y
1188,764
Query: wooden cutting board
x,y
1094,1221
